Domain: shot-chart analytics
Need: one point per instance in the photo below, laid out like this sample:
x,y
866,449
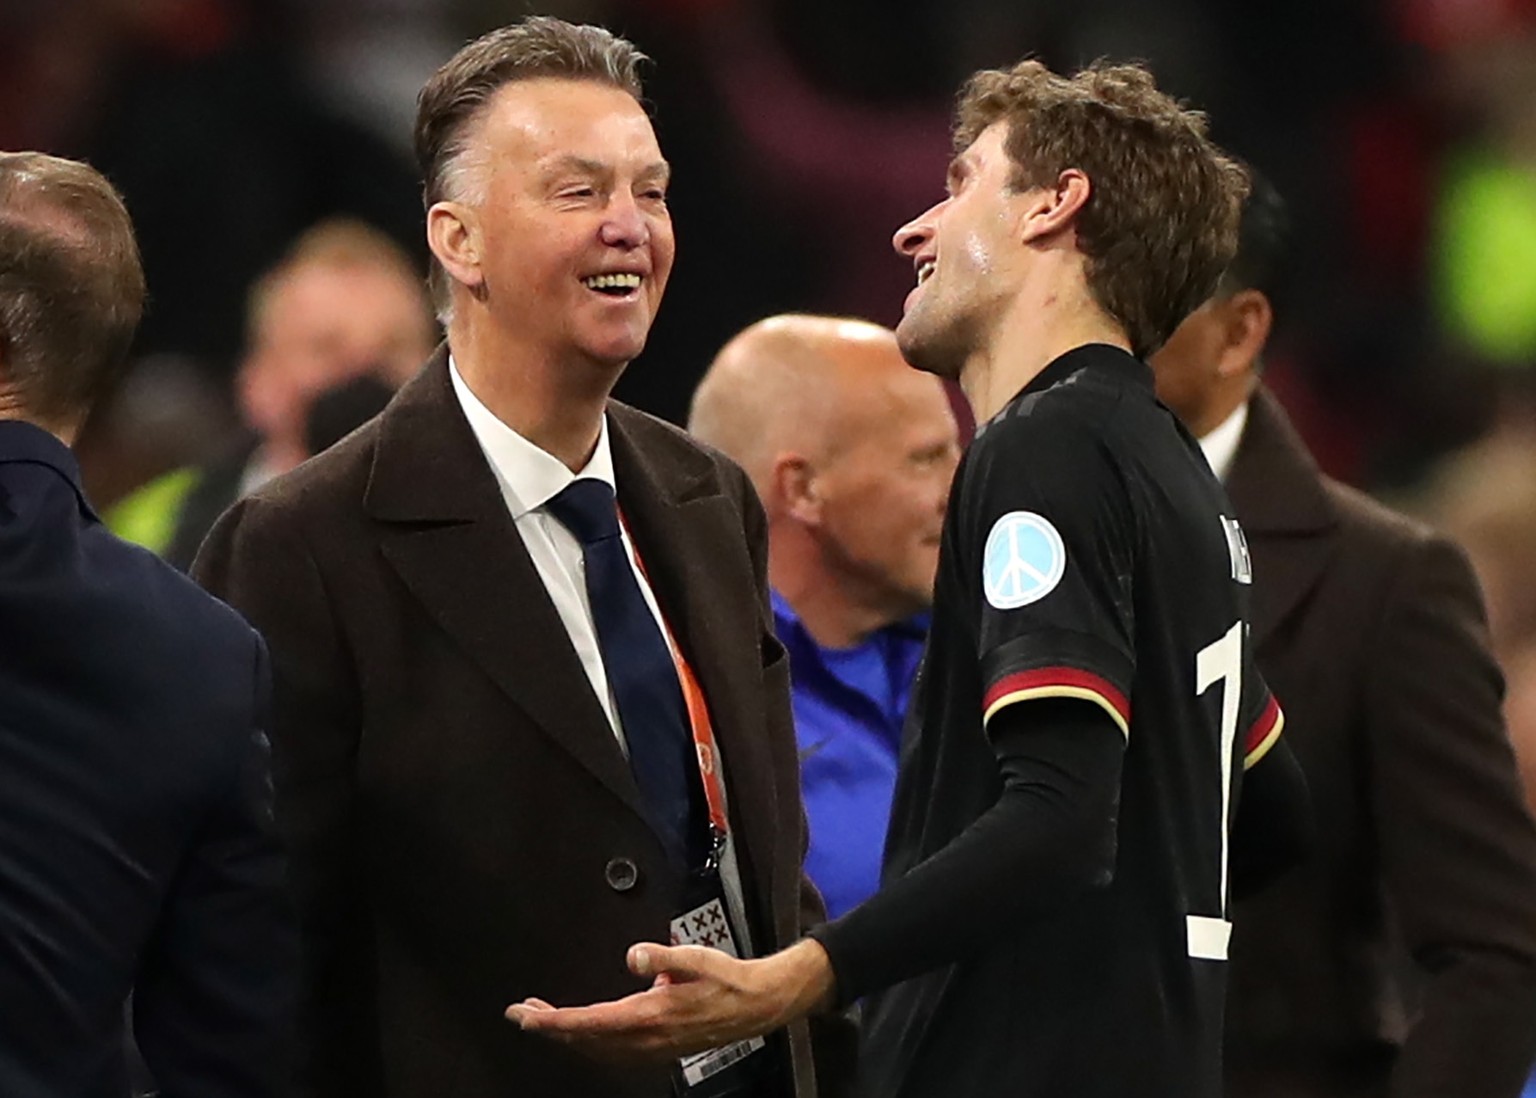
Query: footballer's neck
x,y
557,405
1033,333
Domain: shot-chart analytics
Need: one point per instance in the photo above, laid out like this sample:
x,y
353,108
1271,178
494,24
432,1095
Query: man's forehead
x,y
547,112
560,162
989,145
987,149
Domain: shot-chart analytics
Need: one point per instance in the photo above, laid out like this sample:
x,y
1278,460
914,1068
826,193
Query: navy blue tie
x,y
639,665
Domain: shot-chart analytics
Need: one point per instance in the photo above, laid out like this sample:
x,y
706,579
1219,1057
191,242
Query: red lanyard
x,y
698,719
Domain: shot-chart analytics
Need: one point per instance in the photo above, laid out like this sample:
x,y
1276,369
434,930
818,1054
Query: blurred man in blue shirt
x,y
852,452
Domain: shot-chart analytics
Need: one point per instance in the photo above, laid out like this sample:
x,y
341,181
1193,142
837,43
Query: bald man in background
x,y
852,453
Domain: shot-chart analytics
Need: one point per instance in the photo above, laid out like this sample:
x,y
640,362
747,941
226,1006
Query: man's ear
x,y
1247,317
453,234
1051,210
794,489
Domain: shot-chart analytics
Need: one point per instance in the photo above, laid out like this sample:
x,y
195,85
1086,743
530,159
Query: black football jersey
x,y
1089,553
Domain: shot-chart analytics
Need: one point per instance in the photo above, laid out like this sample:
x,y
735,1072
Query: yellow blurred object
x,y
1485,257
148,515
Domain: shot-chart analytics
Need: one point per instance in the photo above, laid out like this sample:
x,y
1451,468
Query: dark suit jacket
x,y
466,830
136,847
1370,631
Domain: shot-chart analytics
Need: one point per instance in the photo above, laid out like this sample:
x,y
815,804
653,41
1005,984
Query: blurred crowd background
x,y
802,132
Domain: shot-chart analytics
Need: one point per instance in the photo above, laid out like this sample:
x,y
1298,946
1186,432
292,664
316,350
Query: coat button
x,y
622,874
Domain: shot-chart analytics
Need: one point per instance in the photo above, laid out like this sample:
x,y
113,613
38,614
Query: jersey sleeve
x,y
1050,565
1263,719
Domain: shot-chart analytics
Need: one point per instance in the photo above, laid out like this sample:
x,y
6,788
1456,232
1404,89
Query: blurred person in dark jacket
x,y
1371,630
344,302
137,854
851,451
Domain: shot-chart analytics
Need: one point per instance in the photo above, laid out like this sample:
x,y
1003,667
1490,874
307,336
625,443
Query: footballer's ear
x,y
1051,210
453,234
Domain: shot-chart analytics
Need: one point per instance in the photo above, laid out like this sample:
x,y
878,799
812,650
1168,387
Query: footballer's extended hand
x,y
700,999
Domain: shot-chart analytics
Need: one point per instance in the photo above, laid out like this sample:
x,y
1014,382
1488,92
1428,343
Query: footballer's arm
x,y
1274,829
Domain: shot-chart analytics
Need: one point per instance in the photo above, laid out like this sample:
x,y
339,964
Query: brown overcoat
x,y
1402,959
465,830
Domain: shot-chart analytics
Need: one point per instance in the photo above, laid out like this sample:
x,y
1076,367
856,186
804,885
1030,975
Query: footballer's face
x,y
965,251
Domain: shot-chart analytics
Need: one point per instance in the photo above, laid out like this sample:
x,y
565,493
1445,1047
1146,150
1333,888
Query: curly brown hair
x,y
1160,224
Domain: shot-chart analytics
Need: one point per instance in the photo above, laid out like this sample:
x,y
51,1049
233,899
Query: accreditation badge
x,y
731,1068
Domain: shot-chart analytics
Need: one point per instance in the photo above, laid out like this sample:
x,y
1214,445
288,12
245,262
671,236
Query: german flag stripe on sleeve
x,y
1263,734
1058,682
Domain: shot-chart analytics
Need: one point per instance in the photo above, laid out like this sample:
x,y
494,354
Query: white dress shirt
x,y
1220,446
529,478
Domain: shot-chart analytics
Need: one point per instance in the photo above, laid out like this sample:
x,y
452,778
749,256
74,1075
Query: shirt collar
x,y
786,622
1064,369
529,477
1220,445
1103,357
23,441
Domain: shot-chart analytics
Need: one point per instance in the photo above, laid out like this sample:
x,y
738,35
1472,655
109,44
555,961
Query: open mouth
x,y
613,285
925,270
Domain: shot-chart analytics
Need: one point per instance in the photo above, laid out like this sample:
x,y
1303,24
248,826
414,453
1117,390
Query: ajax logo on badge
x,y
1023,561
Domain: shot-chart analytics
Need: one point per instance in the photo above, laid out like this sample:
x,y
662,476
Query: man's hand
x,y
700,999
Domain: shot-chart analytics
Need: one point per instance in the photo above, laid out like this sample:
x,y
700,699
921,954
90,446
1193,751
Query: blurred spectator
x,y
337,412
344,302
1485,495
852,452
168,412
1370,630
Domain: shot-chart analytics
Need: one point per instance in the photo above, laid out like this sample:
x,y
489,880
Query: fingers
x,y
518,1011
627,1029
615,1046
679,963
634,1014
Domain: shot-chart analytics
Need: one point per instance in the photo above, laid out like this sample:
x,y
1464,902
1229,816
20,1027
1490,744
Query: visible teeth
x,y
924,270
613,282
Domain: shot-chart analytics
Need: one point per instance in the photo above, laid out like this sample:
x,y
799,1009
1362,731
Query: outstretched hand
x,y
699,999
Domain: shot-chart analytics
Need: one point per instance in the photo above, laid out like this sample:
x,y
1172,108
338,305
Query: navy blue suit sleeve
x,y
213,1005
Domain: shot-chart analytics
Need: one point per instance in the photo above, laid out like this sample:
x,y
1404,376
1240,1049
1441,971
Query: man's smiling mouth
x,y
614,285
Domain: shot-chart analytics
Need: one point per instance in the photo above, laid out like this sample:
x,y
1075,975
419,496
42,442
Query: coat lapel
x,y
689,536
449,537
1277,491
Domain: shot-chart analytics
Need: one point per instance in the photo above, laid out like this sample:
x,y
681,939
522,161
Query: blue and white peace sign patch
x,y
1023,561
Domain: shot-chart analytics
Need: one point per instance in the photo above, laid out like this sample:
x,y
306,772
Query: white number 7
x,y
1221,661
